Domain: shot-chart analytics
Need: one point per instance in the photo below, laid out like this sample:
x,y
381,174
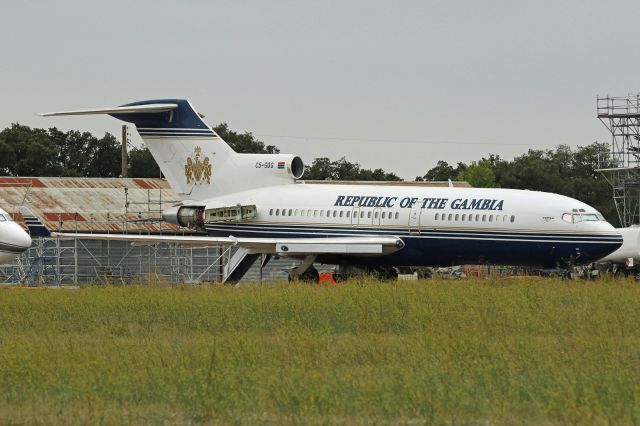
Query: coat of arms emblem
x,y
197,170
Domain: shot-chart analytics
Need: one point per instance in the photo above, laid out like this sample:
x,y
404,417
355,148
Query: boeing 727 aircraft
x,y
255,202
13,239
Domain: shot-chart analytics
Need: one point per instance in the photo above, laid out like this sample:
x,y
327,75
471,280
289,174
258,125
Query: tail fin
x,y
196,161
35,225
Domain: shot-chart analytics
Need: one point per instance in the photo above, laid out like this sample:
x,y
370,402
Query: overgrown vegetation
x,y
498,352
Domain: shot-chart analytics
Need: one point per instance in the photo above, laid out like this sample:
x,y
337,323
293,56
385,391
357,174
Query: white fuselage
x,y
439,225
13,239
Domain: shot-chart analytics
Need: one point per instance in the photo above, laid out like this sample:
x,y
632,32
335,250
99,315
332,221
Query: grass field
x,y
444,352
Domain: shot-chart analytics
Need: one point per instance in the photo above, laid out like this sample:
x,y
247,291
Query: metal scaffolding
x,y
56,262
621,166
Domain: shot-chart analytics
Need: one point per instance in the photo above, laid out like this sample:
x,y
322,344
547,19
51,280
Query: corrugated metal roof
x,y
91,204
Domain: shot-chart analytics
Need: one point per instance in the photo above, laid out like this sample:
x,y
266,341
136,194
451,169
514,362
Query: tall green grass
x,y
470,352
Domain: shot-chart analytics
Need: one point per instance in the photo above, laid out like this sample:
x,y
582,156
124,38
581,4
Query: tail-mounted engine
x,y
274,165
196,216
187,216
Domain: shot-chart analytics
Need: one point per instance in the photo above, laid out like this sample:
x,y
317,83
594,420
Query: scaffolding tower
x,y
621,165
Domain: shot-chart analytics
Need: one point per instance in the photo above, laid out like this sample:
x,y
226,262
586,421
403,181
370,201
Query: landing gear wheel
x,y
311,275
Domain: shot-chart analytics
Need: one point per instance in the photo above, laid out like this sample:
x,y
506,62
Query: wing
x,y
283,246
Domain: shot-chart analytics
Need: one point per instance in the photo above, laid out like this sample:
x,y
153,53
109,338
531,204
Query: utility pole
x,y
123,172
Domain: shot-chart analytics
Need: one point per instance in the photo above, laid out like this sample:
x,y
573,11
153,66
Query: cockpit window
x,y
2,219
577,216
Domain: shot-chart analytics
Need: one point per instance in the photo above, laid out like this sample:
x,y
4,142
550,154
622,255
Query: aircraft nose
x,y
610,243
20,238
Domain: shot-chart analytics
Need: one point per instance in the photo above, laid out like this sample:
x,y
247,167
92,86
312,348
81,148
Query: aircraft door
x,y
355,216
414,221
376,216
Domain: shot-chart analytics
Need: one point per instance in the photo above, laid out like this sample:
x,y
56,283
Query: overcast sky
x,y
390,84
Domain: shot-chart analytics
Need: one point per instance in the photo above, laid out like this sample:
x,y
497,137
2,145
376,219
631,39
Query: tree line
x,y
26,151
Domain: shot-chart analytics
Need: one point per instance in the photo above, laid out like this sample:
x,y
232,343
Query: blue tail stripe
x,y
183,117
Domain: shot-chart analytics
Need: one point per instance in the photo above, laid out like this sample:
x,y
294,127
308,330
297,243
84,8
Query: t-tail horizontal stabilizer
x,y
135,109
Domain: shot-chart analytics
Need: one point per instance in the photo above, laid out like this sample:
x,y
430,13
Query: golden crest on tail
x,y
196,170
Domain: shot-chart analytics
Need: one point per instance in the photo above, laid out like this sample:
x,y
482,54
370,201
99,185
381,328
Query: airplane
x,y
627,257
258,203
13,239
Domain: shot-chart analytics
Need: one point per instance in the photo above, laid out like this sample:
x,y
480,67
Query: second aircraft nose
x,y
19,237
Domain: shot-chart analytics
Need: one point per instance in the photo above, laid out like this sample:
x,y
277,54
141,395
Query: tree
x,y
28,152
142,164
106,157
243,142
320,169
324,169
479,174
442,171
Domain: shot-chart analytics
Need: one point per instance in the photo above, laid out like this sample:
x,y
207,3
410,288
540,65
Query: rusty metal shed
x,y
91,204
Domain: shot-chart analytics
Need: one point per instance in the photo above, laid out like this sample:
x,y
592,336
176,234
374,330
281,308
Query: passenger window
x,y
436,216
321,213
341,213
328,213
315,213
302,212
383,214
484,217
348,213
271,212
277,212
450,216
397,215
296,213
290,212
361,215
464,216
457,216
368,215
375,215
490,218
477,218
504,218
513,219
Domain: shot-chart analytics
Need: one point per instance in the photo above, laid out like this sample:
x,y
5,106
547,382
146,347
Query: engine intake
x,y
296,167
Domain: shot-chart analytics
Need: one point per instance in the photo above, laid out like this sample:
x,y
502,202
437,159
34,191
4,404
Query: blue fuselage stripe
x,y
406,232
